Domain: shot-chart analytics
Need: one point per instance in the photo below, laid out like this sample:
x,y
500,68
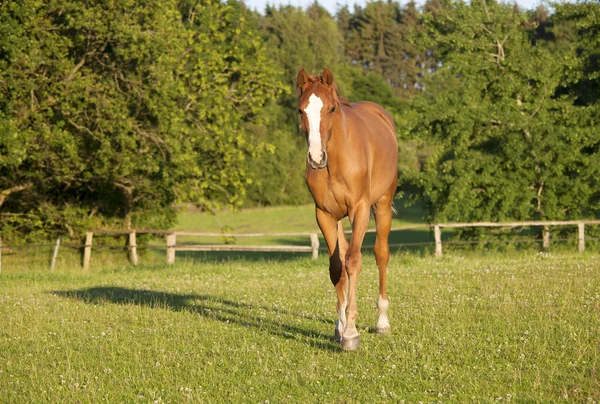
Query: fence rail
x,y
314,247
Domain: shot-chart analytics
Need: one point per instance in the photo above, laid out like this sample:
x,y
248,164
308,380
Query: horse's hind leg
x,y
383,219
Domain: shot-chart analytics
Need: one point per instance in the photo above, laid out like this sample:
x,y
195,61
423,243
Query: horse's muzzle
x,y
314,165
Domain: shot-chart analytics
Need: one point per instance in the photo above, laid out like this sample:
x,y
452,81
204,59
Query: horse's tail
x,y
394,211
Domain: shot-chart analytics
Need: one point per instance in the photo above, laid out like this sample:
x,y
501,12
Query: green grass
x,y
520,327
276,219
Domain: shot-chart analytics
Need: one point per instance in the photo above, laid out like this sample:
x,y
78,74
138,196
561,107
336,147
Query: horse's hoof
x,y
351,344
383,330
337,336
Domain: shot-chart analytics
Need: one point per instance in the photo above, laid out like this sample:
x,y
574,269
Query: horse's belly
x,y
386,177
384,171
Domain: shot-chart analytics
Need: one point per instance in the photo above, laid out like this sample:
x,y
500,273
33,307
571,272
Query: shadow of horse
x,y
207,306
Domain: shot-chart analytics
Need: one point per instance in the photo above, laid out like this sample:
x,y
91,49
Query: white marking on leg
x,y
341,323
313,113
382,306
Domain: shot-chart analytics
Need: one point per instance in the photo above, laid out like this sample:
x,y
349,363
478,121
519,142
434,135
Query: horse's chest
x,y
329,195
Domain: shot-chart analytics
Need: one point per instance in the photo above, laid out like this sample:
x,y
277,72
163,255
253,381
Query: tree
x,y
111,112
381,38
580,24
508,143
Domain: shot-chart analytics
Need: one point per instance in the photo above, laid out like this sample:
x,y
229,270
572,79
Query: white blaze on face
x,y
313,113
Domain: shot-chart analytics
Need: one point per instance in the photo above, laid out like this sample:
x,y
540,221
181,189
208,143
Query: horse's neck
x,y
339,135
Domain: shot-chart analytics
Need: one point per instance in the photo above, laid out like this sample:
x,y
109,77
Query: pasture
x,y
474,328
258,220
290,219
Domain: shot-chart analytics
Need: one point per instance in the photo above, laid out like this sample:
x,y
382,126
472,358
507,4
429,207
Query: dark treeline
x,y
112,113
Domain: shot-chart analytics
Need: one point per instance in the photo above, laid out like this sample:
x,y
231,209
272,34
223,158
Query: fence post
x,y
438,240
314,243
133,257
87,252
546,237
171,242
581,231
55,255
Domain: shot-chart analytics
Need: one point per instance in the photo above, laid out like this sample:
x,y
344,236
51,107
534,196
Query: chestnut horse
x,y
351,167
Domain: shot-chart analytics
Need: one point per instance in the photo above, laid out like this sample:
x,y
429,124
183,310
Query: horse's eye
x,y
332,110
300,111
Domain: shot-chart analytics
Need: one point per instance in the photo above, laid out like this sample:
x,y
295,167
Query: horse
x,y
351,168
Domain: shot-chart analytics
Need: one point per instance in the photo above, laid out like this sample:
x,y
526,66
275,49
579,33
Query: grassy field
x,y
474,328
277,219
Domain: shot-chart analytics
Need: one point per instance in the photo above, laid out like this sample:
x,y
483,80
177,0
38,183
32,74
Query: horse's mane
x,y
336,93
339,98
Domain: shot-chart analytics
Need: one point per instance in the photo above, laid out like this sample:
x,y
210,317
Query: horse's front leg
x,y
359,217
337,246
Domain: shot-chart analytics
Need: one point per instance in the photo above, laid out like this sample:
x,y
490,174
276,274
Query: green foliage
x,y
380,38
507,142
111,112
580,24
296,38
279,173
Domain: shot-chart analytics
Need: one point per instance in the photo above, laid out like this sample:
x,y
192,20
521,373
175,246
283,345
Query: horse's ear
x,y
302,79
327,77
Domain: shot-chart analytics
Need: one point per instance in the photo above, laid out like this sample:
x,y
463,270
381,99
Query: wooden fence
x,y
313,248
171,238
172,248
545,234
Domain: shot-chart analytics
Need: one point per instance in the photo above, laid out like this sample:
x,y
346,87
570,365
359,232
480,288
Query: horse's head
x,y
316,106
